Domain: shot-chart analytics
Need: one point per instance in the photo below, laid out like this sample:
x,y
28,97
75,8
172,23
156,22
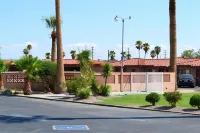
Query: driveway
x,y
23,115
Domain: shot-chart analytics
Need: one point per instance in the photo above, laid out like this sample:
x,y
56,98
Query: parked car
x,y
186,80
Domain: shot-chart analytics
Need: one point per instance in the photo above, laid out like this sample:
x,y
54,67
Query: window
x,y
133,70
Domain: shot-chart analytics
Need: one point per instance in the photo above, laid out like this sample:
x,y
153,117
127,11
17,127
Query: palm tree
x,y
157,50
29,47
128,56
85,64
173,40
138,46
3,68
29,65
107,71
124,55
73,54
63,54
60,67
146,48
153,54
47,55
26,51
112,55
51,23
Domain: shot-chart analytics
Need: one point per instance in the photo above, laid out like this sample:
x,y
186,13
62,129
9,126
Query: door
x,y
198,77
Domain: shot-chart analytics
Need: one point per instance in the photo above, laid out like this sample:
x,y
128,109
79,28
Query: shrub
x,y
152,98
172,97
104,90
83,93
195,101
6,92
75,84
94,86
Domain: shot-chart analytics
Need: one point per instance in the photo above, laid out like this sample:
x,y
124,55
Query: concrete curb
x,y
107,105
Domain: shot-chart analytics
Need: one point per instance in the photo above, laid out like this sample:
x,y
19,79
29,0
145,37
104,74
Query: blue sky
x,y
91,23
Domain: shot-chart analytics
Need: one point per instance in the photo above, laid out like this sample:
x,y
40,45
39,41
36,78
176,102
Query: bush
x,y
172,97
6,92
94,87
75,84
152,98
83,93
104,90
195,101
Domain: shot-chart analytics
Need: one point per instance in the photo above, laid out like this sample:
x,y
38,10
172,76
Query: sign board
x,y
70,127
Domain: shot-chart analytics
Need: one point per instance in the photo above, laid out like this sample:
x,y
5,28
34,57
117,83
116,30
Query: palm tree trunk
x,y
173,48
106,80
139,53
53,49
60,79
157,56
27,86
1,82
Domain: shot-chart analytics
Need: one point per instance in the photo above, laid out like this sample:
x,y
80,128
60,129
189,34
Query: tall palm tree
x,y
173,40
60,67
153,54
139,46
107,71
157,50
73,54
63,54
47,55
29,65
112,55
51,23
146,48
3,68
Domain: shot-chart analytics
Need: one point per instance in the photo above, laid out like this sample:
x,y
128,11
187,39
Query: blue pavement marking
x,y
70,127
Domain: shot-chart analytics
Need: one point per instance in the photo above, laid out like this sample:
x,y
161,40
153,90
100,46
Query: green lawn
x,y
139,99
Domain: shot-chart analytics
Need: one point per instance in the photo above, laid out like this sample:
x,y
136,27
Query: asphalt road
x,y
23,115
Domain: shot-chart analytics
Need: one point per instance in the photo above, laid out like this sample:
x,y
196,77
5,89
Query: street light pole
x,y
122,54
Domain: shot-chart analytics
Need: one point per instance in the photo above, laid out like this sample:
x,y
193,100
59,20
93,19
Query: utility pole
x,y
92,52
165,54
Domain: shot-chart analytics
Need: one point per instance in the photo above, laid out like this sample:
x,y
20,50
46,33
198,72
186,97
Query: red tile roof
x,y
76,62
159,62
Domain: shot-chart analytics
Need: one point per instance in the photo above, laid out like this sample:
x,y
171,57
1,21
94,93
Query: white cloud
x,y
22,45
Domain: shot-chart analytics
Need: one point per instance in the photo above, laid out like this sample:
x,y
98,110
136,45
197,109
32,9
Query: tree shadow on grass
x,y
25,119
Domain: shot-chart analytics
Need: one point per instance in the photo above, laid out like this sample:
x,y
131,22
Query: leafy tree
x,y
189,54
139,46
146,48
47,55
157,50
73,54
29,65
153,54
51,24
47,73
107,71
3,68
112,54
